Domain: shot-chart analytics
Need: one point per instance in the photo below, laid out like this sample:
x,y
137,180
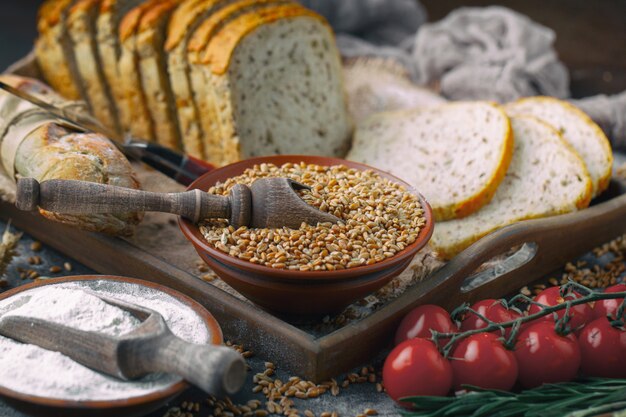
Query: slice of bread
x,y
81,26
455,154
376,85
109,48
183,24
53,49
150,38
577,129
546,177
205,97
133,108
277,75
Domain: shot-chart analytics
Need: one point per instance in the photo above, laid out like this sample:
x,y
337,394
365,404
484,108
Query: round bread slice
x,y
455,154
546,177
577,129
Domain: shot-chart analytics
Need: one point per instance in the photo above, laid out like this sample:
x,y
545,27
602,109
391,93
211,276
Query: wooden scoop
x,y
151,347
269,202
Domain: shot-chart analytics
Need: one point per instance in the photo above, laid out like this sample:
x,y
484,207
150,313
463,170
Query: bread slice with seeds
x,y
132,104
53,49
276,73
81,26
208,102
577,129
150,39
110,14
183,23
546,177
456,154
183,27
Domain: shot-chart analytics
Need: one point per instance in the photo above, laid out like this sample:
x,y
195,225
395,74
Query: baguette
x,y
546,177
577,129
455,154
35,144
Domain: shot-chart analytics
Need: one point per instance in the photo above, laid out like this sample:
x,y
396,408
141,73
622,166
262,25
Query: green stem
x,y
491,326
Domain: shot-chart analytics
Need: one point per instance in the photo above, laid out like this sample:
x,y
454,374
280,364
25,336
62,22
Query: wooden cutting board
x,y
159,252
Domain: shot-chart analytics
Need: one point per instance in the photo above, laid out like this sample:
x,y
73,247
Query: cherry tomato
x,y
581,314
483,361
603,308
421,320
544,356
492,310
415,367
603,349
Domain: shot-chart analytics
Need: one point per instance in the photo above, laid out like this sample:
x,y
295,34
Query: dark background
x,y
591,35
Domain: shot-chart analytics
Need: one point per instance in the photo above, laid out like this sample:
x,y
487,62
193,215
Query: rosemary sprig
x,y
7,248
582,398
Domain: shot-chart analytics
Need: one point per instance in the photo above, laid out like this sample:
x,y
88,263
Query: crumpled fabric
x,y
489,53
381,28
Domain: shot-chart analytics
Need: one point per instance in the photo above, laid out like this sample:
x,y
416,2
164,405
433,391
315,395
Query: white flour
x,y
31,370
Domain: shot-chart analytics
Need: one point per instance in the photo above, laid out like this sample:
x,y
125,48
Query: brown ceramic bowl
x,y
295,292
135,406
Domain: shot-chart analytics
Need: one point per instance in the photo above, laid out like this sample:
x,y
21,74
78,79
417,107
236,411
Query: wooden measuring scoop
x,y
268,202
150,347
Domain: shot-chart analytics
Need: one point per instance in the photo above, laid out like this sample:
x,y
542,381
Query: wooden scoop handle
x,y
217,370
82,197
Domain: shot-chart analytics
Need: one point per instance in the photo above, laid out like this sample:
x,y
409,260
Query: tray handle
x,y
545,245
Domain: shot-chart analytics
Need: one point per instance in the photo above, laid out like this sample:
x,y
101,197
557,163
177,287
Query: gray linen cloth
x,y
490,53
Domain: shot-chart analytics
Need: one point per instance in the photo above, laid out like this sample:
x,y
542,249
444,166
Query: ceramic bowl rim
x,y
161,395
193,234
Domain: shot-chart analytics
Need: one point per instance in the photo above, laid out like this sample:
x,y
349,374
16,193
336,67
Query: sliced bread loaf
x,y
150,38
455,154
376,85
546,177
81,26
577,129
109,48
134,112
277,74
53,49
205,97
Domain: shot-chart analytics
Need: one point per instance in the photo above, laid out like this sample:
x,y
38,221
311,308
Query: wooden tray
x,y
546,244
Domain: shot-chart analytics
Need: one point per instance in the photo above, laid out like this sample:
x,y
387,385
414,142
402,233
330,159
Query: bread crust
x,y
150,37
453,207
447,250
209,102
133,105
602,182
56,152
51,55
81,24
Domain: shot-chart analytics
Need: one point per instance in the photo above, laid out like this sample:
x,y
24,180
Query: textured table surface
x,y
350,402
